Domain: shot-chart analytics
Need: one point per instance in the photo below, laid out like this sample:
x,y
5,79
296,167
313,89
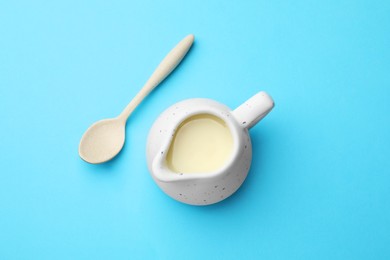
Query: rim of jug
x,y
161,170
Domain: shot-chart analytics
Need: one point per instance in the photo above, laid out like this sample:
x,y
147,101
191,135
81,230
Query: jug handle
x,y
253,110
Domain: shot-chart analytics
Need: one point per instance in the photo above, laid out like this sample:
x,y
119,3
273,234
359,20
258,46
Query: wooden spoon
x,y
104,139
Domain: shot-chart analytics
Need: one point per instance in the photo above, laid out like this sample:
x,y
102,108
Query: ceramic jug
x,y
207,187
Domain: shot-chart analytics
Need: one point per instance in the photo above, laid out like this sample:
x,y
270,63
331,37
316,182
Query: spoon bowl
x,y
102,141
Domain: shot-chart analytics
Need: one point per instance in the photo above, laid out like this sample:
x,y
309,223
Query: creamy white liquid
x,y
202,144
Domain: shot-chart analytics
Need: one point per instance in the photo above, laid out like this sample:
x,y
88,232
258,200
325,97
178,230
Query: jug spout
x,y
159,166
164,174
253,110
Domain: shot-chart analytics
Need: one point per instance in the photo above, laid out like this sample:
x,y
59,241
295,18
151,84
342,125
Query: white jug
x,y
203,188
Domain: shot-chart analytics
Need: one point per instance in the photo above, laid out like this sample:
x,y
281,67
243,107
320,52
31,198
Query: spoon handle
x,y
167,65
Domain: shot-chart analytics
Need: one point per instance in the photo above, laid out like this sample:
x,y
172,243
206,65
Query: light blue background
x,y
319,186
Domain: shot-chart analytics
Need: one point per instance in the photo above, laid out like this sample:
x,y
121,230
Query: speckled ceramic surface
x,y
205,188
